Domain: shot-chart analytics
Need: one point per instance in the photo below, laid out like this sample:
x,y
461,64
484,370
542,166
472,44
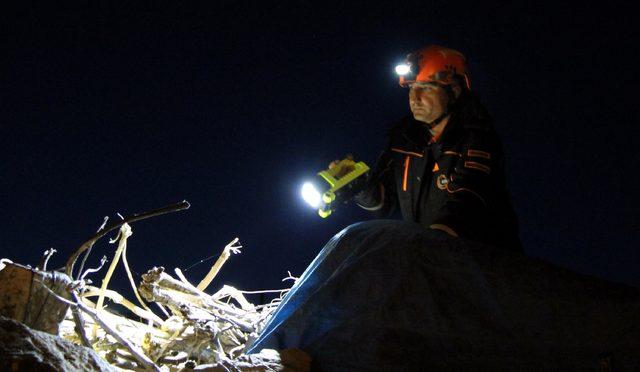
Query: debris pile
x,y
189,327
25,349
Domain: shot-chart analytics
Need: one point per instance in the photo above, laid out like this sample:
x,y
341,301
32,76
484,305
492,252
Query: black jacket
x,y
457,181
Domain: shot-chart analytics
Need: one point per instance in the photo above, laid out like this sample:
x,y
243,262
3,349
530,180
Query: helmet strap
x,y
439,119
450,104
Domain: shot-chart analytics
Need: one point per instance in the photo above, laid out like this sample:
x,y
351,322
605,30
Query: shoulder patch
x,y
451,153
478,154
478,166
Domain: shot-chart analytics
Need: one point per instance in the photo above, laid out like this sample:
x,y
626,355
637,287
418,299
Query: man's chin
x,y
423,120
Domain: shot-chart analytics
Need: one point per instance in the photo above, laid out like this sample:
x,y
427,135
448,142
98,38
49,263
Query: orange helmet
x,y
434,64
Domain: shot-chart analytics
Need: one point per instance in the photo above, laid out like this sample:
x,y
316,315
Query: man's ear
x,y
457,90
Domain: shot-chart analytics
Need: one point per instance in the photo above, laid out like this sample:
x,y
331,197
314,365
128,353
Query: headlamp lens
x,y
403,69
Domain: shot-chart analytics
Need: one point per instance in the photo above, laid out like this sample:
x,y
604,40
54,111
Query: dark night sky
x,y
230,106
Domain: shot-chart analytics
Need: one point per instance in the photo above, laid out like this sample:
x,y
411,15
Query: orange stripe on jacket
x,y
407,152
407,160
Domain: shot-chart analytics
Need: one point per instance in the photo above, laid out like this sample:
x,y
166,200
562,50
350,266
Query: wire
x,y
201,261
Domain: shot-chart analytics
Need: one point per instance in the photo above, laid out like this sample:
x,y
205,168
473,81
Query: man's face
x,y
427,101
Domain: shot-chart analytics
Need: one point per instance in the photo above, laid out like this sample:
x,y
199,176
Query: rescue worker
x,y
444,164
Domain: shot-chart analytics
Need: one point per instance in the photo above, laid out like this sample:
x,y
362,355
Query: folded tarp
x,y
390,295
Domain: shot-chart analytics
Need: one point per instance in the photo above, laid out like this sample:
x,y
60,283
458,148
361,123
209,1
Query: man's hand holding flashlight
x,y
344,168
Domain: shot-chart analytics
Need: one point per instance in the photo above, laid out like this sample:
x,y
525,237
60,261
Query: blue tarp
x,y
391,295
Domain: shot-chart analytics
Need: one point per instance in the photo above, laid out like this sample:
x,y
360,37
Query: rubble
x,y
22,348
193,329
23,297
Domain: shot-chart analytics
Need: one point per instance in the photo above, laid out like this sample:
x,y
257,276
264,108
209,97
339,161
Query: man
x,y
444,166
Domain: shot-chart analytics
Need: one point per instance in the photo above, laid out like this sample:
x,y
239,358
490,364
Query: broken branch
x,y
226,253
123,235
133,218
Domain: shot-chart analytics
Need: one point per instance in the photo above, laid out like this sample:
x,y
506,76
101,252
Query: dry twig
x,y
123,235
226,253
45,259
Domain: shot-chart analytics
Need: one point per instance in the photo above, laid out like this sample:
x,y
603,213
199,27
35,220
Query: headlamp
x,y
408,70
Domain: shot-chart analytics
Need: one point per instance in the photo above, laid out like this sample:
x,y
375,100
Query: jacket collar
x,y
411,135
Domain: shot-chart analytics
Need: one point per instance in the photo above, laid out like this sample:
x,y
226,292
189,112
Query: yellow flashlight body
x,y
338,177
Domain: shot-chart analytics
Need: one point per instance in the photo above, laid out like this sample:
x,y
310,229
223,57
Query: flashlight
x,y
334,185
311,195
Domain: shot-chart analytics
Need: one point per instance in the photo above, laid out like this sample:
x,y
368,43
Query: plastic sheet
x,y
391,295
